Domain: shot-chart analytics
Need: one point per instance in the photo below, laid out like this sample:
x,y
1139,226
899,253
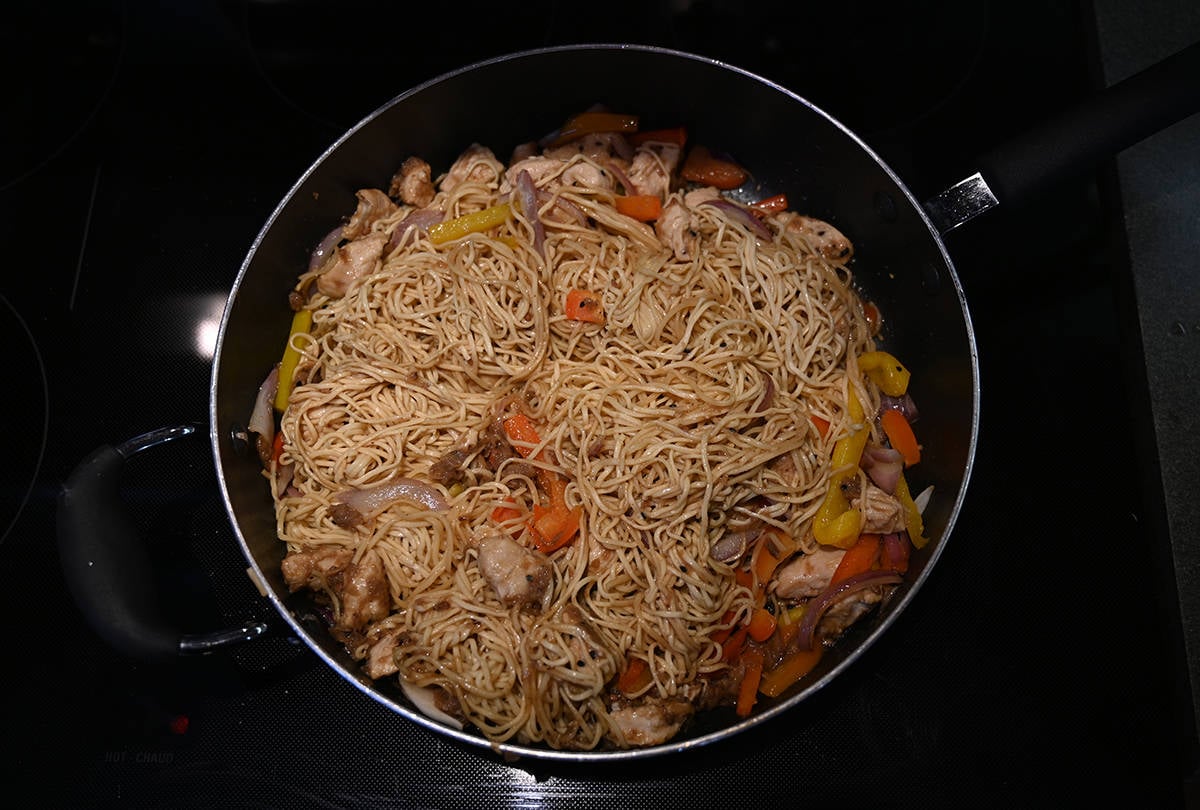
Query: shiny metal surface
x,y
961,203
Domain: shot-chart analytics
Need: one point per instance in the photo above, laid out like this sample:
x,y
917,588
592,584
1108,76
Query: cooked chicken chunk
x,y
808,574
360,589
650,722
476,165
365,597
413,183
314,569
518,575
381,659
825,239
653,167
349,263
882,513
674,229
373,205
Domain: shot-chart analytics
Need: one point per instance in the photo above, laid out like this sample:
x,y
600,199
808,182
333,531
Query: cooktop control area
x,y
1045,661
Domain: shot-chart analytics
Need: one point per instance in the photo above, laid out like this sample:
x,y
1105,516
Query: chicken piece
x,y
653,167
477,164
842,614
413,183
649,722
697,196
825,239
364,595
314,569
381,660
674,229
882,513
373,205
519,576
349,263
598,146
807,575
539,168
448,469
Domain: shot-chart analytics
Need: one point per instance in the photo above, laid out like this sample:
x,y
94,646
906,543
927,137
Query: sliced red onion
x,y
622,178
819,605
742,215
570,208
733,545
527,194
262,417
324,248
883,465
373,499
922,499
904,404
896,550
420,219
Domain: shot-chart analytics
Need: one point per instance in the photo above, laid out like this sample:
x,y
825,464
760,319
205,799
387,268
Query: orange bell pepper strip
x,y
585,306
675,135
702,166
748,690
771,205
586,123
521,432
642,207
859,558
635,677
792,668
762,624
900,435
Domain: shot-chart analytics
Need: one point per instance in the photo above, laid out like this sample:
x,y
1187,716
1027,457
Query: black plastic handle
x,y
1096,129
106,565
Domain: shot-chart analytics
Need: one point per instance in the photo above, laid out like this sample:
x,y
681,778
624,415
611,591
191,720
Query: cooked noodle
x,y
683,416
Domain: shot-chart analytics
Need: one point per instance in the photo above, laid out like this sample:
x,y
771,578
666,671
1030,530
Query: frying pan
x,y
901,262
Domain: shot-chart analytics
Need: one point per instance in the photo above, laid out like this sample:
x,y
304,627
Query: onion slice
x,y
374,499
422,697
819,605
324,248
420,219
884,466
742,215
527,194
262,417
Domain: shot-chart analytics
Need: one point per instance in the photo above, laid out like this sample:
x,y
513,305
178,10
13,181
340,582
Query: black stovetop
x,y
1042,663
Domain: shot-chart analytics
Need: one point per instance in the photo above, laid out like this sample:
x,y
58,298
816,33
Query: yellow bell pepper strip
x,y
836,524
301,323
912,515
476,222
885,371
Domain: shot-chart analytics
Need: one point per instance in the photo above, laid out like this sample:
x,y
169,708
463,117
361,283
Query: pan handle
x,y
1076,140
106,565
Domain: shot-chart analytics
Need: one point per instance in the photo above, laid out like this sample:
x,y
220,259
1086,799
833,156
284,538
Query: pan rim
x,y
513,751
